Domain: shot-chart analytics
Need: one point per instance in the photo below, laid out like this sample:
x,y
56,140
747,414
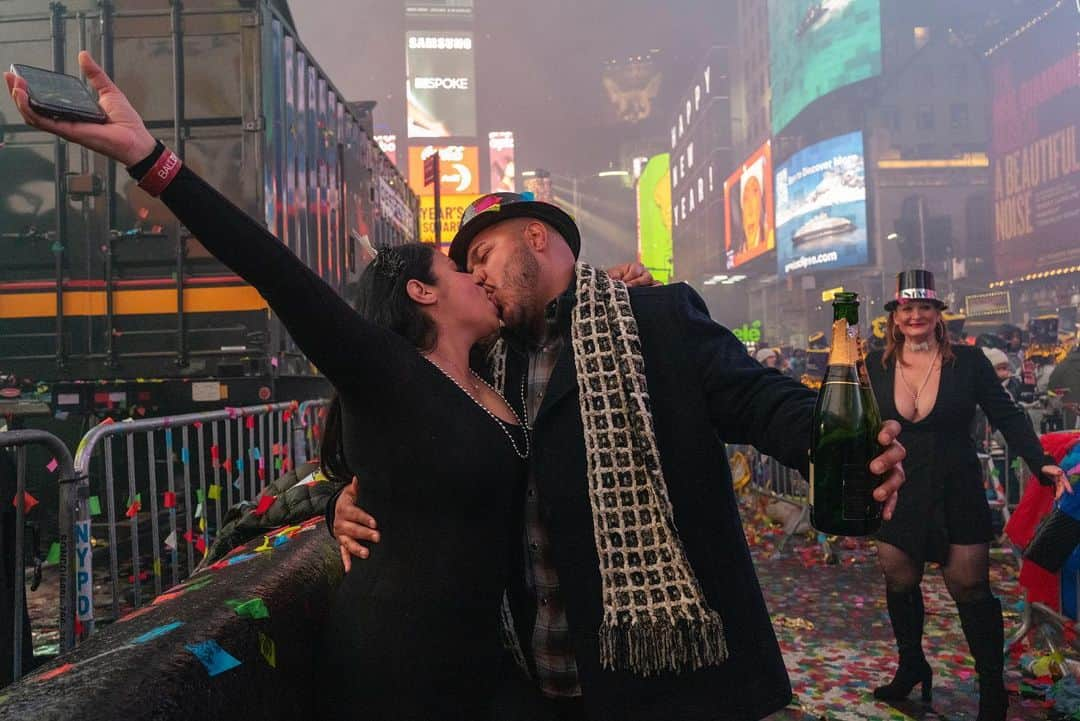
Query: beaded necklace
x,y
500,421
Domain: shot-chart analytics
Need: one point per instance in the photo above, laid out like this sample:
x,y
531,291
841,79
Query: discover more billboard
x,y
821,207
748,209
817,46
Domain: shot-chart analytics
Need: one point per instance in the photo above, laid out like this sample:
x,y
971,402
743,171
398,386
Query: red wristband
x,y
161,173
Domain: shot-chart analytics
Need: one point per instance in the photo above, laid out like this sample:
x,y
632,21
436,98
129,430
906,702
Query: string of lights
x,y
1037,276
1024,28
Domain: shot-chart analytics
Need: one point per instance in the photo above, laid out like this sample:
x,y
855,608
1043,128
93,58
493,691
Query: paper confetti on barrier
x,y
135,614
265,502
157,632
252,608
95,506
58,671
170,499
213,657
268,649
52,465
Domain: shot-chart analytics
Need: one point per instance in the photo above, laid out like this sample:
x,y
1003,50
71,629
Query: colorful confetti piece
x,y
157,632
213,657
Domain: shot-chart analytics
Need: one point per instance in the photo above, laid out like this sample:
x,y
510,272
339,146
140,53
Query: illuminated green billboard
x,y
654,217
817,46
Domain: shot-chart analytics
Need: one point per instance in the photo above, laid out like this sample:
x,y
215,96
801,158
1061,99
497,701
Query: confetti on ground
x,y
829,616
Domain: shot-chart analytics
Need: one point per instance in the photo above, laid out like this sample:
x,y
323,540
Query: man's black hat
x,y
487,210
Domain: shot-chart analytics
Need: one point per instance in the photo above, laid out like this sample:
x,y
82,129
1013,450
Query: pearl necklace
x,y
502,424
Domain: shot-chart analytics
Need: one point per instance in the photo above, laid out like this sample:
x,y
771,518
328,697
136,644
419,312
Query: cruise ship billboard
x,y
821,207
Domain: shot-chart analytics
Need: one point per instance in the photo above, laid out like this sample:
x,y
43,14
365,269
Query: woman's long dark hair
x,y
381,299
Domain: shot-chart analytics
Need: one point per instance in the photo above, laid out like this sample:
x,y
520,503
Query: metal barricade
x,y
232,457
771,478
19,440
306,433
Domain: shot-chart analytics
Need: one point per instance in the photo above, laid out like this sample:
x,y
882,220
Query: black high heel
x,y
908,676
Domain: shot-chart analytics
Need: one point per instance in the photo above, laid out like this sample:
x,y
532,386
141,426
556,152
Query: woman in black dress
x,y
415,631
932,388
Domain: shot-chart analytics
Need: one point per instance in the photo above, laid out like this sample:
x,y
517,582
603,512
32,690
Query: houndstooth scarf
x,y
655,615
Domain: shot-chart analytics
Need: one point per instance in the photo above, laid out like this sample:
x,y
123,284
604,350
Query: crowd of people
x,y
1038,367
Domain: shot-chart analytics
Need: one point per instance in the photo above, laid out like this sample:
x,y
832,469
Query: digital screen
x,y
452,207
388,144
459,169
710,82
654,217
1034,157
748,209
817,46
540,187
501,162
439,9
631,88
821,207
441,84
56,89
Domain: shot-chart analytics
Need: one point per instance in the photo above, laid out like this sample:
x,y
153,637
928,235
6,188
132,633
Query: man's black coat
x,y
705,391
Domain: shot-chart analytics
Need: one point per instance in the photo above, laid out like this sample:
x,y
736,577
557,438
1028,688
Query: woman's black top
x,y
414,632
943,500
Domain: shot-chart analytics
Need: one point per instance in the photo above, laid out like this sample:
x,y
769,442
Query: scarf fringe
x,y
652,647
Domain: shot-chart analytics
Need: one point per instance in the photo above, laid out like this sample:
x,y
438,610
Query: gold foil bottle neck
x,y
845,349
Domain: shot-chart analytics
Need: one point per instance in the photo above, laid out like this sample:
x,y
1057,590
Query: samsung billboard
x,y
821,207
441,84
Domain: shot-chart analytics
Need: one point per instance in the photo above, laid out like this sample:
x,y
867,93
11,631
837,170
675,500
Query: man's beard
x,y
523,274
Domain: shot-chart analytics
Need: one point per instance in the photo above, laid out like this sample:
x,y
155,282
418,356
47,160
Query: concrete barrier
x,y
235,641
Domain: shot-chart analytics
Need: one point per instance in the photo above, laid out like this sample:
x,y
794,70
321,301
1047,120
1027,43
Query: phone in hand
x,y
59,96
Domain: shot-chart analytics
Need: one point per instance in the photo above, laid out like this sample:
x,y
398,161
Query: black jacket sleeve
x,y
347,349
331,509
747,402
1009,418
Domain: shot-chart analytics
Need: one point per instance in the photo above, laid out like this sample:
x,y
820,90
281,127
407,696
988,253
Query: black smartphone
x,y
59,96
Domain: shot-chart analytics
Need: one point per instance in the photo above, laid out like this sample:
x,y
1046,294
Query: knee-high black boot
x,y
906,614
985,633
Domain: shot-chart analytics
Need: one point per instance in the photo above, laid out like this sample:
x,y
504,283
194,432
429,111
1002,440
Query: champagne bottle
x,y
845,427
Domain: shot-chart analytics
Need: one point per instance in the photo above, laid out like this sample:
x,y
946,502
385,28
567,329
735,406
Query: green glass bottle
x,y
846,424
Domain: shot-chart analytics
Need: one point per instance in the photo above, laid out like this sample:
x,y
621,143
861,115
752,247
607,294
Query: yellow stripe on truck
x,y
131,302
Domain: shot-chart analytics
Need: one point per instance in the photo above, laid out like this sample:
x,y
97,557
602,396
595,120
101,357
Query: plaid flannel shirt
x,y
553,656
